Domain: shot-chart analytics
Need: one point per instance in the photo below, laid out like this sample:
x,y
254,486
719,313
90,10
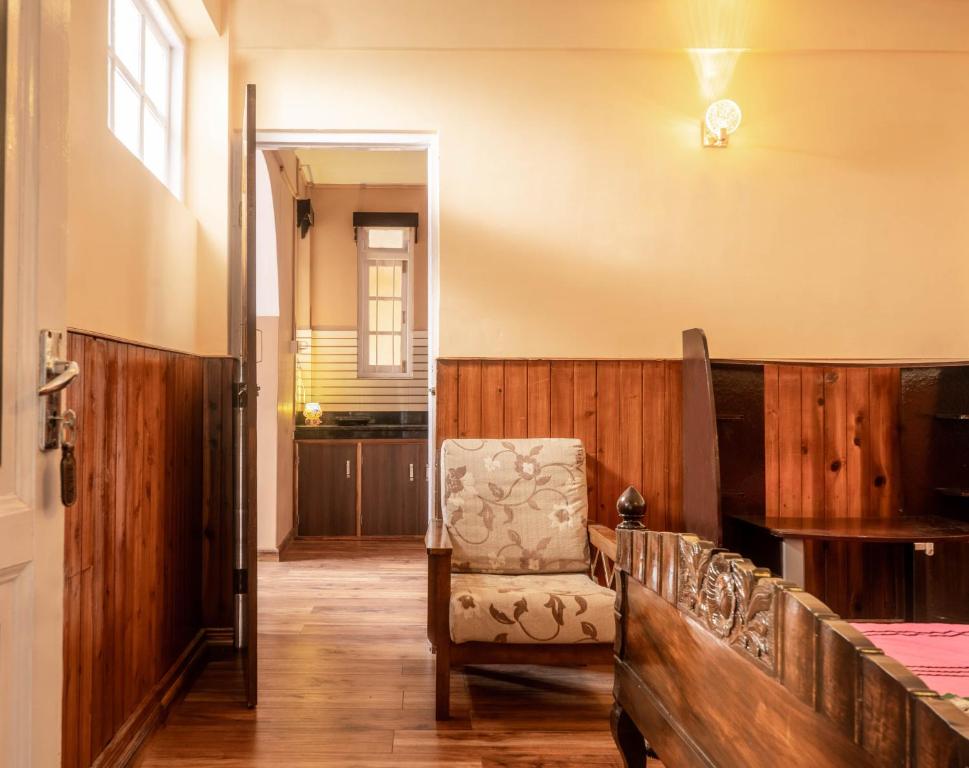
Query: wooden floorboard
x,y
346,679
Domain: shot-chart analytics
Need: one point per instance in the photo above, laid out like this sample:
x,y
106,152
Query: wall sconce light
x,y
312,414
722,119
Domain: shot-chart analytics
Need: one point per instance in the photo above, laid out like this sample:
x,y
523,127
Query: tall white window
x,y
146,56
384,300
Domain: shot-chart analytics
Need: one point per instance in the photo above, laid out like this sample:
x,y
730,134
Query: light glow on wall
x,y
717,34
714,69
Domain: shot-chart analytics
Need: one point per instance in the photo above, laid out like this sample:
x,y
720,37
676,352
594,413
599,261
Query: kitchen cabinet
x,y
393,489
326,489
361,487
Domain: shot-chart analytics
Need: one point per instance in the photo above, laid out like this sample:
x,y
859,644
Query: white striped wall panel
x,y
326,373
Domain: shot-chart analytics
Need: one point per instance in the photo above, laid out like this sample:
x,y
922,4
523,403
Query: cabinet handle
x,y
412,473
348,469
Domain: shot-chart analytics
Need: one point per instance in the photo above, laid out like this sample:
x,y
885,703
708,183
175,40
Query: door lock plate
x,y
56,373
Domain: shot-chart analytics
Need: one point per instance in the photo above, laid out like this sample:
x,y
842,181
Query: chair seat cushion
x,y
544,608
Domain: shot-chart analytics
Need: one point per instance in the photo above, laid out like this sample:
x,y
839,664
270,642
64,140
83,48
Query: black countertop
x,y
366,425
362,432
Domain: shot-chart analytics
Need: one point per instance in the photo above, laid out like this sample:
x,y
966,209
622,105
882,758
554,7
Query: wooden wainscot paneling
x,y
625,412
935,478
217,474
832,450
151,488
795,440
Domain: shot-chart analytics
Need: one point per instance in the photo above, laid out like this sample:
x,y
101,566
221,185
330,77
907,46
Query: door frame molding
x,y
428,142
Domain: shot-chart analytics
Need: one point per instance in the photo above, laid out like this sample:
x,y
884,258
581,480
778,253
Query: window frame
x,y
365,257
157,20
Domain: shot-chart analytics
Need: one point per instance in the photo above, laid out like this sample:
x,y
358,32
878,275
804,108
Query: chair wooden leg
x,y
442,682
439,631
431,603
630,741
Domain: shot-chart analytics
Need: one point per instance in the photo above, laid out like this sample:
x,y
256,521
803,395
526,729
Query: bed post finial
x,y
632,510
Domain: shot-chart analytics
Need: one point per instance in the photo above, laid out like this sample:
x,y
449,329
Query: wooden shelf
x,y
863,529
956,493
951,416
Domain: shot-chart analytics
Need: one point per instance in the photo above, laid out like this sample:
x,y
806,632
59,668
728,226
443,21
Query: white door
x,y
31,517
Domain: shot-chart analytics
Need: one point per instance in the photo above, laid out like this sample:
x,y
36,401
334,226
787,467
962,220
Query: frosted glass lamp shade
x,y
723,116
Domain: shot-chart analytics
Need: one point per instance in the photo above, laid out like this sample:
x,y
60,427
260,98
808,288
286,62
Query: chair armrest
x,y
438,544
603,539
437,540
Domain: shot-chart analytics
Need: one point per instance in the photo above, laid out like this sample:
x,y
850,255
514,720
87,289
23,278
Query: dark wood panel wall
x,y
832,450
831,439
935,444
134,540
217,474
626,413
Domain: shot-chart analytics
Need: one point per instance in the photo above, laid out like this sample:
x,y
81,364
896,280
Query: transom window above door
x,y
145,85
384,300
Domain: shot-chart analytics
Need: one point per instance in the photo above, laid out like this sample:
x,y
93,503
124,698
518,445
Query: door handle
x,y
69,372
348,469
412,473
56,373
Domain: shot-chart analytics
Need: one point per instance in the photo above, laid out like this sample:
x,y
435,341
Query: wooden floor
x,y
346,679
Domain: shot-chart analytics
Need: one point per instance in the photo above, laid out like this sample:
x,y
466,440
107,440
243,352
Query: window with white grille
x,y
145,85
385,347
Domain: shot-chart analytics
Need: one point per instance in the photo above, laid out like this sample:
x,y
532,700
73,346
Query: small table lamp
x,y
312,414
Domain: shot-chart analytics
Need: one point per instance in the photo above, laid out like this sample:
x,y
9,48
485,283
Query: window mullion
x,y
128,74
170,110
141,92
110,91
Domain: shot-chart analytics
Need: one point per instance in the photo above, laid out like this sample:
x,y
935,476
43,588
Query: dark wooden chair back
x,y
701,454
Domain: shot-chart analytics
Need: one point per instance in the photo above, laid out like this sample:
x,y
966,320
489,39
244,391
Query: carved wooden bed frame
x,y
718,663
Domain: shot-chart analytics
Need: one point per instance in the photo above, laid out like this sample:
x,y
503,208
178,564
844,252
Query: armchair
x,y
516,575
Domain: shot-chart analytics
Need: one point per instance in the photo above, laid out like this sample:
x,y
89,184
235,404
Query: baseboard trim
x,y
219,637
275,555
153,709
287,540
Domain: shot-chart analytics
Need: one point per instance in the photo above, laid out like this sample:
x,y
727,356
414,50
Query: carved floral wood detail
x,y
730,596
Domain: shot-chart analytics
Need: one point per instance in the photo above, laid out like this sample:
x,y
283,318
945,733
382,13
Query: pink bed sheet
x,y
938,653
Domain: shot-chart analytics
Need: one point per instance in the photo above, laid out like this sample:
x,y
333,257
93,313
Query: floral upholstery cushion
x,y
516,506
552,608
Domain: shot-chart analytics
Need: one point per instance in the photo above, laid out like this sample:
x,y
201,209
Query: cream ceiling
x,y
364,166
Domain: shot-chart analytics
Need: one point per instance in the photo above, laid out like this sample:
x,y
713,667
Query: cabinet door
x,y
422,508
393,485
326,489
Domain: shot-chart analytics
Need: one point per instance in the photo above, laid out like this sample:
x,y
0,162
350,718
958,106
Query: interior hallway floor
x,y
346,678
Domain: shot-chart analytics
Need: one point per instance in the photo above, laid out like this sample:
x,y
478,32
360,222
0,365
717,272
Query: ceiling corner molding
x,y
199,19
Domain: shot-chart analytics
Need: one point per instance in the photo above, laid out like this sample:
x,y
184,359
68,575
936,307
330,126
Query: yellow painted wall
x,y
142,264
275,372
207,187
581,218
333,251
